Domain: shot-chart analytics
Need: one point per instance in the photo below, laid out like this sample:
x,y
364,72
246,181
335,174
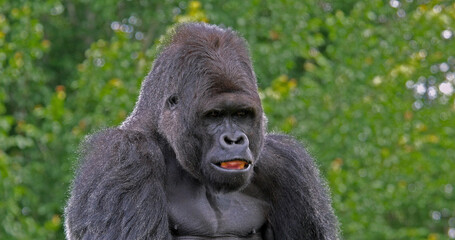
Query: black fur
x,y
161,175
299,199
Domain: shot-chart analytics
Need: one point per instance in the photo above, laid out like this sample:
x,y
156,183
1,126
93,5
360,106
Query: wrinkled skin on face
x,y
225,134
230,124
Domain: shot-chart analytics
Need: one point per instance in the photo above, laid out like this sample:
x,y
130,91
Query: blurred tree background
x,y
368,86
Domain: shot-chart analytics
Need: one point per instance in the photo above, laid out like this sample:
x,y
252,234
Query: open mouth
x,y
236,164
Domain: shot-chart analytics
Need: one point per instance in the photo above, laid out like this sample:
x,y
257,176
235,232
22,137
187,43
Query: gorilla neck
x,y
196,210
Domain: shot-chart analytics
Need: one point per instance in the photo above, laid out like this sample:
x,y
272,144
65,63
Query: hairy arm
x,y
301,206
118,190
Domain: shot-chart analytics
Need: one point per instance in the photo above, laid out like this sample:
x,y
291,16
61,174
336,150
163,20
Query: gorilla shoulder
x,y
287,174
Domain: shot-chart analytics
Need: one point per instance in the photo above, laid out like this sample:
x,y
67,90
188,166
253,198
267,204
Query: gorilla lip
x,y
236,164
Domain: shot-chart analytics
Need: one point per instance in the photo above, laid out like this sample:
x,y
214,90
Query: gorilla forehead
x,y
209,58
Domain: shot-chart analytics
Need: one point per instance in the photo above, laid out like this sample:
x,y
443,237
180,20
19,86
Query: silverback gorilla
x,y
193,160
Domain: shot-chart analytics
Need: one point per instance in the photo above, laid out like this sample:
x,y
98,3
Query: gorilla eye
x,y
213,114
243,113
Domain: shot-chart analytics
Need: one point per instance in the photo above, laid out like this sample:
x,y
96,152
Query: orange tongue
x,y
236,164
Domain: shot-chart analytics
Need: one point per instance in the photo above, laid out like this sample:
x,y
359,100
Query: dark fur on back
x,y
120,190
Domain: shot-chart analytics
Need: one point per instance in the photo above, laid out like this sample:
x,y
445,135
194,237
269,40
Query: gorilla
x,y
193,160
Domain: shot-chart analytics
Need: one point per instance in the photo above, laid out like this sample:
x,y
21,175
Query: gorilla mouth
x,y
236,164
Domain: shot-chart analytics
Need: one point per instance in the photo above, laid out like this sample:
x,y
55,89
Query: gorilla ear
x,y
172,102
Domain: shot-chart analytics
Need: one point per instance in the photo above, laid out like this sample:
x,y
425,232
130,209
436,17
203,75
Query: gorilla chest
x,y
194,211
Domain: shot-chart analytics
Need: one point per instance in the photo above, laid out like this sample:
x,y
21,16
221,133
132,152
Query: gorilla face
x,y
217,136
230,130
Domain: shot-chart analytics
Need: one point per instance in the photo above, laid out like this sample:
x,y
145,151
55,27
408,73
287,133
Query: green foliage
x,y
27,209
387,159
367,85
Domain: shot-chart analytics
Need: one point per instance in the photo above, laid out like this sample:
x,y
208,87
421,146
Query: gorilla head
x,y
202,97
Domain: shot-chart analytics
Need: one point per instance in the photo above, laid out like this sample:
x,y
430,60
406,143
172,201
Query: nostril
x,y
227,140
241,139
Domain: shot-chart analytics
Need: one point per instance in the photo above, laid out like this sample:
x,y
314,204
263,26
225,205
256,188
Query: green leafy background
x,y
367,86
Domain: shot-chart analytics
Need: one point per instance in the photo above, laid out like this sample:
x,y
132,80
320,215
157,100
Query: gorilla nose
x,y
234,140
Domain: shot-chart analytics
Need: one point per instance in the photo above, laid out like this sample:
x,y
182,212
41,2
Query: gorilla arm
x,y
118,191
300,203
